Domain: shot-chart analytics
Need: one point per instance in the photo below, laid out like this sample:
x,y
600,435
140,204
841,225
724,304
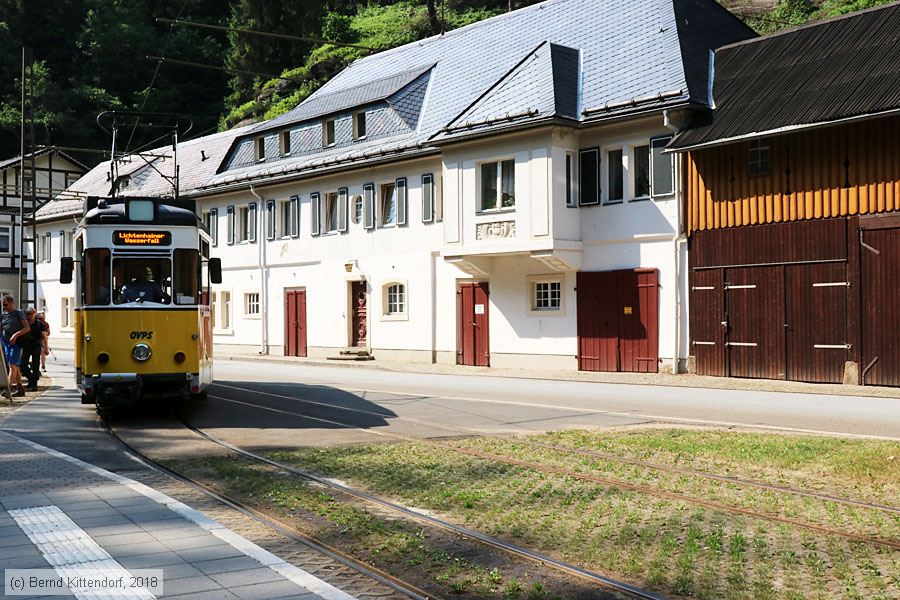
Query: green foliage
x,y
790,13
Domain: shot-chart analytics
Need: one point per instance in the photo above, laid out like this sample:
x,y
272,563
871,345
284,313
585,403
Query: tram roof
x,y
112,211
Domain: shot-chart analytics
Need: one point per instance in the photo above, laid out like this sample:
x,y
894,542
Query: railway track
x,y
895,545
738,481
395,584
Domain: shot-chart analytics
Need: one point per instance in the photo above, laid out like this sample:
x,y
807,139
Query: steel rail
x,y
646,489
611,457
465,532
386,579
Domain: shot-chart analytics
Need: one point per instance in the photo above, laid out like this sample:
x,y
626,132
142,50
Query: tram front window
x,y
142,280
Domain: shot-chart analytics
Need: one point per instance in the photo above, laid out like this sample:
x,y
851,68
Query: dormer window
x,y
285,143
328,133
260,149
359,125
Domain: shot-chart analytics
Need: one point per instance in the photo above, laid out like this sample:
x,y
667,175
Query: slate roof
x,y
543,85
320,105
635,56
145,181
840,68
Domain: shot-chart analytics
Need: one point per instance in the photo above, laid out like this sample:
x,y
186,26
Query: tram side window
x,y
96,276
187,276
142,280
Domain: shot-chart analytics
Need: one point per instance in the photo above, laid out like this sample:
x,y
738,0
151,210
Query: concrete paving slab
x,y
124,525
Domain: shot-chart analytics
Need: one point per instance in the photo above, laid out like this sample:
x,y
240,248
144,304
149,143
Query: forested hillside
x,y
92,55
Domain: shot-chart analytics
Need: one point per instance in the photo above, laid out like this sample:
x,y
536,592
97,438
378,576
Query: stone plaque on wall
x,y
495,230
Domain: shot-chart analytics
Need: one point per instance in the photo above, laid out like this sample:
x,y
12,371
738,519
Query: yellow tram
x,y
142,315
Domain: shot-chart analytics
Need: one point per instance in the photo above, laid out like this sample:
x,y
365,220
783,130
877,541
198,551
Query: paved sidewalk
x,y
61,513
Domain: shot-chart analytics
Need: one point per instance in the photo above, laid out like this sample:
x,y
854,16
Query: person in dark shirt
x,y
14,325
144,288
33,348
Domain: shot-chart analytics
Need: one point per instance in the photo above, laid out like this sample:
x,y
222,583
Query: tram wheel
x,y
200,397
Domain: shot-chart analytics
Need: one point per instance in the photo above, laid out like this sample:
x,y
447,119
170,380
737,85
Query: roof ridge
x,y
460,30
811,24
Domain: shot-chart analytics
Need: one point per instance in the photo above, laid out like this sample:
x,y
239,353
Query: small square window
x,y
328,133
547,295
251,303
760,159
359,125
396,299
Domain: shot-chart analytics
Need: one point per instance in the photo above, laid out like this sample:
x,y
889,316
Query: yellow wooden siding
x,y
720,193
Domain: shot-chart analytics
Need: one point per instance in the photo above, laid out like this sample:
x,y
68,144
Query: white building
x,y
495,195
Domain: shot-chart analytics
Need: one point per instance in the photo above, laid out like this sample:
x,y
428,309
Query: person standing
x,y
43,319
33,349
13,325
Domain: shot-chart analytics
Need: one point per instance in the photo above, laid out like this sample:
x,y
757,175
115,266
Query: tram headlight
x,y
141,352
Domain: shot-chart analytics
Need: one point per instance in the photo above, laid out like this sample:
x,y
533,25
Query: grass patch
x,y
671,546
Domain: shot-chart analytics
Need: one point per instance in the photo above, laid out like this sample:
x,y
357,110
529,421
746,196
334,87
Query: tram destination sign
x,y
142,238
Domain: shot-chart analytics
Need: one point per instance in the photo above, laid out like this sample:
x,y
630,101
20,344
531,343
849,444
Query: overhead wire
x,y
155,74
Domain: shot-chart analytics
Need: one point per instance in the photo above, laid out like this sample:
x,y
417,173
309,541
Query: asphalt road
x,y
312,405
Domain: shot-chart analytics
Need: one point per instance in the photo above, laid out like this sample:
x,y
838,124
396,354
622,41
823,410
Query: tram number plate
x,y
142,238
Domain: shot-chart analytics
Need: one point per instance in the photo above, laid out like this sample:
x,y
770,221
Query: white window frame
x,y
755,150
331,225
498,204
67,313
46,243
252,300
382,224
326,143
570,164
531,295
246,233
386,314
223,322
357,116
357,209
605,175
286,219
284,139
7,230
633,171
259,149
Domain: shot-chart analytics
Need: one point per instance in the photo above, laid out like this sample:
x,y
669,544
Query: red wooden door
x,y
880,298
707,316
816,331
618,319
754,304
474,335
359,320
295,323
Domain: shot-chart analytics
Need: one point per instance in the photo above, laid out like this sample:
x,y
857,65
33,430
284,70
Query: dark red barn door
x,y
359,319
880,323
618,313
754,304
295,323
474,334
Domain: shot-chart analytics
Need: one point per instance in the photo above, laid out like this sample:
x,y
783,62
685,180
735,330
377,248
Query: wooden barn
x,y
792,206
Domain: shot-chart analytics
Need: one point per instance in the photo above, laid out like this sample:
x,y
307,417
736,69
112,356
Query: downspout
x,y
263,275
677,241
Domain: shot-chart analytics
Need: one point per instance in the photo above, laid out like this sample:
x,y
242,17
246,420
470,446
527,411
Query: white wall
x,y
627,235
